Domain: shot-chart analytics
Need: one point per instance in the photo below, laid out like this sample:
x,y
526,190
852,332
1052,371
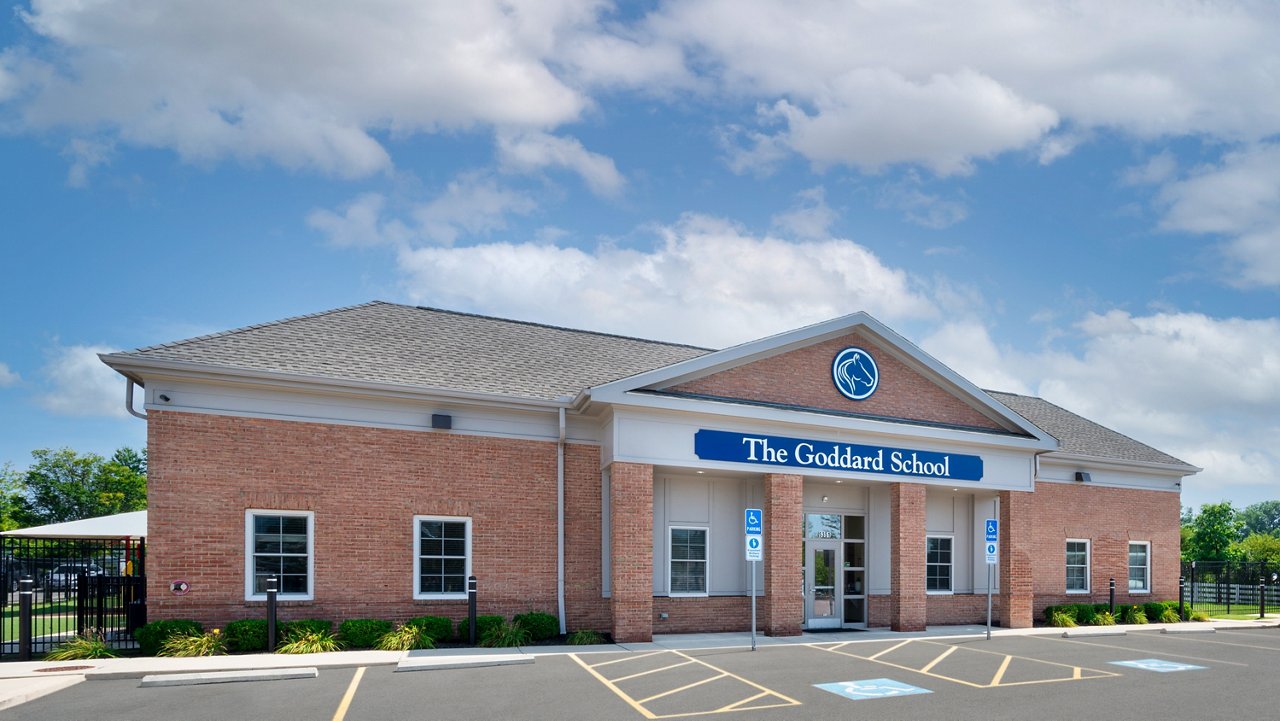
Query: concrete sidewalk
x,y
23,681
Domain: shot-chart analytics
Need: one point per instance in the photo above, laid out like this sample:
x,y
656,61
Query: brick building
x,y
373,457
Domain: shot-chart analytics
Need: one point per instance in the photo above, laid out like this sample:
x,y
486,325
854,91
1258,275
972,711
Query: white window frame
x,y
1147,568
417,551
249,568
706,562
951,565
1088,567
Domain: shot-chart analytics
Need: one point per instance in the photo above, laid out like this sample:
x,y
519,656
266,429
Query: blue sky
x,y
1074,200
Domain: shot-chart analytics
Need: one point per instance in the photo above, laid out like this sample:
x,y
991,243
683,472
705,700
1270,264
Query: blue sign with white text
x,y
754,522
734,447
993,530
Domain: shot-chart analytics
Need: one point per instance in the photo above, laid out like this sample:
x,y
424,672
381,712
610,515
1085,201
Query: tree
x,y
1259,548
10,497
1263,517
1213,530
63,486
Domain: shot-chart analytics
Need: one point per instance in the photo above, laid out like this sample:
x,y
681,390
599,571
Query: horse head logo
x,y
855,374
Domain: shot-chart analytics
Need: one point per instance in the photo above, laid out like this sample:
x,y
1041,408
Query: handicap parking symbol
x,y
1158,665
871,688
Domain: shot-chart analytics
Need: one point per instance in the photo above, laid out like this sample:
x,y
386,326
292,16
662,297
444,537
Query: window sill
x,y
441,597
1077,593
281,601
940,593
1140,593
688,595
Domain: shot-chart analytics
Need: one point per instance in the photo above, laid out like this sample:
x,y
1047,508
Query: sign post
x,y
754,526
993,557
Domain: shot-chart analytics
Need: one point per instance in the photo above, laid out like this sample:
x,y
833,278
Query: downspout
x,y
128,400
560,523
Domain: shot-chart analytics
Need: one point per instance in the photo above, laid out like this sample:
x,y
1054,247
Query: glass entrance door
x,y
821,598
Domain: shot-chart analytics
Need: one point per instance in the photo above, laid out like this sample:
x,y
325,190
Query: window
x,y
688,562
938,564
1077,566
1139,567
442,553
279,544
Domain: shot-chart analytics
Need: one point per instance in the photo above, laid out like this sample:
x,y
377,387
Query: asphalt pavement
x,y
948,673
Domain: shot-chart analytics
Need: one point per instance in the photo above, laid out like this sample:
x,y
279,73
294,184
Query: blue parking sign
x,y
754,521
993,530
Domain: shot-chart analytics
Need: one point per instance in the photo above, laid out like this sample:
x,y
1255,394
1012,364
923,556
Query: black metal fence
x,y
78,585
1221,588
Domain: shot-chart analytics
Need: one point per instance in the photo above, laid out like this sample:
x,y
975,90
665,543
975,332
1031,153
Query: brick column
x,y
1015,560
783,604
631,539
907,607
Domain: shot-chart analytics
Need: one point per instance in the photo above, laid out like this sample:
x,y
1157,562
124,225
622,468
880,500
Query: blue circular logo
x,y
855,374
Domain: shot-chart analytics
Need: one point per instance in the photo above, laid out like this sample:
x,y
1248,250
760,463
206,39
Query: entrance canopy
x,y
120,525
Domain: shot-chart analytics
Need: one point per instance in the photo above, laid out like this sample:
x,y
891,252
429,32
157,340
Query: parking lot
x,y
1142,675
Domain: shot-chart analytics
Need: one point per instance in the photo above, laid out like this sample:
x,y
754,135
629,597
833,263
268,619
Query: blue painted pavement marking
x,y
1158,665
871,688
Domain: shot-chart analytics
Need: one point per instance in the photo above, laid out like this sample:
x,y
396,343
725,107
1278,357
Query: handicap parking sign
x,y
871,688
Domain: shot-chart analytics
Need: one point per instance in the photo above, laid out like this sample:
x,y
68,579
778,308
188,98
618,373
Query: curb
x,y
1092,632
195,679
438,663
53,685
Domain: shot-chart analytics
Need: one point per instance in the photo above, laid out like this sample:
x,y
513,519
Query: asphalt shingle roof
x,y
1080,435
431,348
409,345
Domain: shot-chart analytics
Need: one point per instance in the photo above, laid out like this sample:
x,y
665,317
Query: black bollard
x,y
1112,596
273,587
26,599
471,609
1262,597
1182,597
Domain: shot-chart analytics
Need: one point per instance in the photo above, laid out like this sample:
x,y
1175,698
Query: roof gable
x,y
793,371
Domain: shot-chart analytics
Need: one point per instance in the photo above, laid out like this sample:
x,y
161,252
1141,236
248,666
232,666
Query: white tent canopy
x,y
121,525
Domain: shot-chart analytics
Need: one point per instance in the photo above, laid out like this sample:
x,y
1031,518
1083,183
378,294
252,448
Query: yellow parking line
x,y
995,680
609,684
938,660
626,658
745,701
341,713
682,688
887,650
752,684
620,679
1026,658
905,668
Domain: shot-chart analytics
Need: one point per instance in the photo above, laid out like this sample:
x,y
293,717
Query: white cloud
x,y
741,286
1158,169
967,348
305,87
809,217
8,377
85,155
532,151
924,209
1239,198
359,223
80,384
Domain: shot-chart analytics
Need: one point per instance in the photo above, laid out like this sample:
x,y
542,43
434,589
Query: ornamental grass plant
x,y
406,637
212,643
310,641
89,645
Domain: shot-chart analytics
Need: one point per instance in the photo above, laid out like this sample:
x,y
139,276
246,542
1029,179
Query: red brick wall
x,y
962,608
907,609
631,539
1017,533
713,614
364,486
803,378
1109,518
783,605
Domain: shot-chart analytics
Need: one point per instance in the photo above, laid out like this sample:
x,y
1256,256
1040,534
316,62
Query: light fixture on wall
x,y
825,499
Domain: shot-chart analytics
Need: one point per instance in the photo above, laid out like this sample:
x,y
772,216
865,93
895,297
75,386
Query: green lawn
x,y
48,618
1243,616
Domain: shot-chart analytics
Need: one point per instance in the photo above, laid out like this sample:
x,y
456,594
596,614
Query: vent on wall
x,y
1082,477
441,421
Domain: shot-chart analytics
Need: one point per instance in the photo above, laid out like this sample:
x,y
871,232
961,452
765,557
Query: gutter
x,y
128,400
560,522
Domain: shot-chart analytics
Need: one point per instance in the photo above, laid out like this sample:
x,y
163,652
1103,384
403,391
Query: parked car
x,y
63,577
13,571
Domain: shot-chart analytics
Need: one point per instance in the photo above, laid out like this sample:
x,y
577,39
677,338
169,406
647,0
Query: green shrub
x,y
1153,609
540,626
584,638
483,625
404,638
1086,614
1104,618
1199,616
1063,619
1134,615
363,632
247,635
437,628
285,629
504,635
153,635
203,644
308,641
1169,616
91,644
